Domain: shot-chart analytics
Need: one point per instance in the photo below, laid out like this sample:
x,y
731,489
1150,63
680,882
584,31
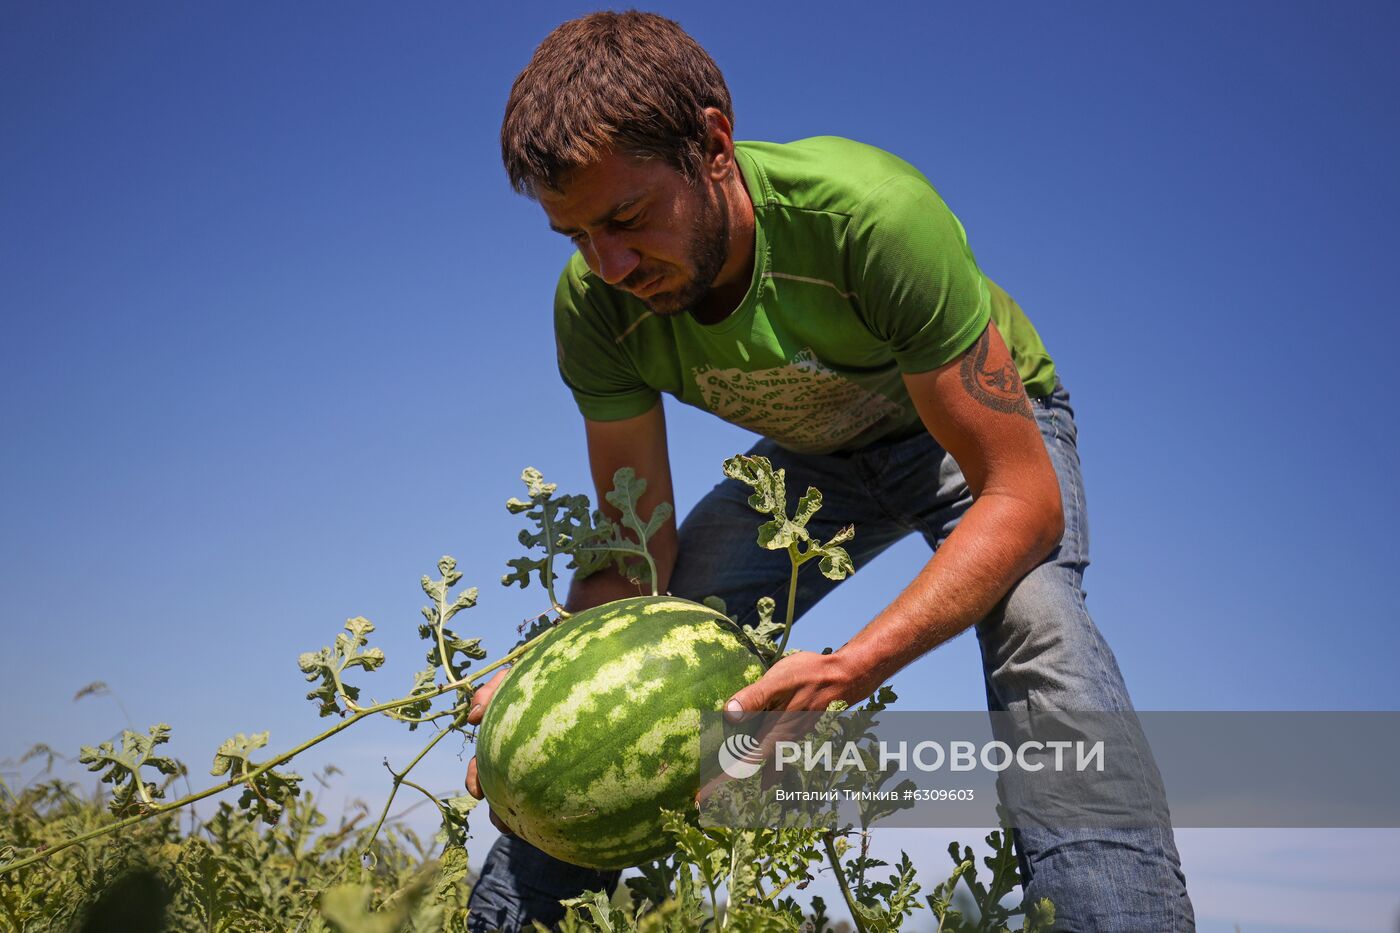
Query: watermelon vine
x,y
362,880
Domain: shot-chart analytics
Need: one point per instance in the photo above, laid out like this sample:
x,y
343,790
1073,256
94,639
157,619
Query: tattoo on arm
x,y
996,388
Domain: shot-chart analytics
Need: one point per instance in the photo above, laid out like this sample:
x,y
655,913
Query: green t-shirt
x,y
861,273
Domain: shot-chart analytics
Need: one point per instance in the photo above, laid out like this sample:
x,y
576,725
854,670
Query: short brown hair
x,y
627,82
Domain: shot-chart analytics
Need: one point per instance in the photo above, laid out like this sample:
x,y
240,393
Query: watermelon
x,y
597,727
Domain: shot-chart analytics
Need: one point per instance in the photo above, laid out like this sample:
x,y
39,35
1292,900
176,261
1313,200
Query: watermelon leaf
x,y
769,487
444,645
326,667
453,833
655,882
567,527
766,633
885,904
562,521
608,542
264,794
123,767
424,682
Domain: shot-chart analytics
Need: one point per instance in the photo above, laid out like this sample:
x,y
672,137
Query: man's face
x,y
643,228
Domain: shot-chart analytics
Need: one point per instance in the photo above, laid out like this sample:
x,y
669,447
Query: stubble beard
x,y
709,248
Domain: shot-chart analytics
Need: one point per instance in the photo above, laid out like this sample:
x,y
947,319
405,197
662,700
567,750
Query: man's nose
x,y
613,259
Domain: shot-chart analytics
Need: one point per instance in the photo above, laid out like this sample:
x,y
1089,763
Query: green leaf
x,y
783,532
214,884
265,794
535,484
940,902
564,524
444,606
607,543
842,536
743,870
349,646
524,566
536,627
437,590
1039,917
626,494
452,871
444,645
807,506
319,668
268,794
767,633
887,903
1005,873
836,563
326,667
454,820
232,756
777,534
424,682
769,489
703,847
123,767
598,908
469,648
655,881
347,908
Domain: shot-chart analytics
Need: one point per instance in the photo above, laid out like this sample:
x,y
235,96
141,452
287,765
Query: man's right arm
x,y
639,443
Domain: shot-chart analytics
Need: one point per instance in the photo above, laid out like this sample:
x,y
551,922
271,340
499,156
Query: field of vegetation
x,y
131,858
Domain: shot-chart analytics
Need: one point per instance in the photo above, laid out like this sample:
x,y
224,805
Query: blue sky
x,y
276,336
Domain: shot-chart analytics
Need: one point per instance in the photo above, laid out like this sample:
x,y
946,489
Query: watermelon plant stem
x,y
154,810
864,854
467,681
841,881
399,779
651,565
426,793
797,558
158,809
442,641
547,574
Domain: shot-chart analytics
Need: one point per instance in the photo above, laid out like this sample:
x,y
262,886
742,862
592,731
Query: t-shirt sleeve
x,y
916,281
605,384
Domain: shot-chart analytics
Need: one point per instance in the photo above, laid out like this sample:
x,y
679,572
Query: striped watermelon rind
x,y
598,727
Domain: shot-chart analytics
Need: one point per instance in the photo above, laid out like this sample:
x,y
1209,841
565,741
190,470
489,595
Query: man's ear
x,y
719,145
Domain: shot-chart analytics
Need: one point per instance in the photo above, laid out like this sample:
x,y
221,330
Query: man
x,y
821,294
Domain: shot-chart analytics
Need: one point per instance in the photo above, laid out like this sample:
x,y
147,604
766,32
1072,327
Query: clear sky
x,y
276,336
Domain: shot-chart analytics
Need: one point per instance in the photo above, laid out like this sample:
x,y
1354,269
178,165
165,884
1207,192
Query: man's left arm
x,y
977,409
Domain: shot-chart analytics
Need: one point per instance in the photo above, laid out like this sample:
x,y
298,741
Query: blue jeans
x,y
1040,651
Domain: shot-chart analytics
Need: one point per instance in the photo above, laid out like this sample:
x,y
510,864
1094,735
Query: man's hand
x,y
801,681
480,699
794,693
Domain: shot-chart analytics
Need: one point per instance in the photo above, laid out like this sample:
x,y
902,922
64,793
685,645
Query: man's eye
x,y
626,223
